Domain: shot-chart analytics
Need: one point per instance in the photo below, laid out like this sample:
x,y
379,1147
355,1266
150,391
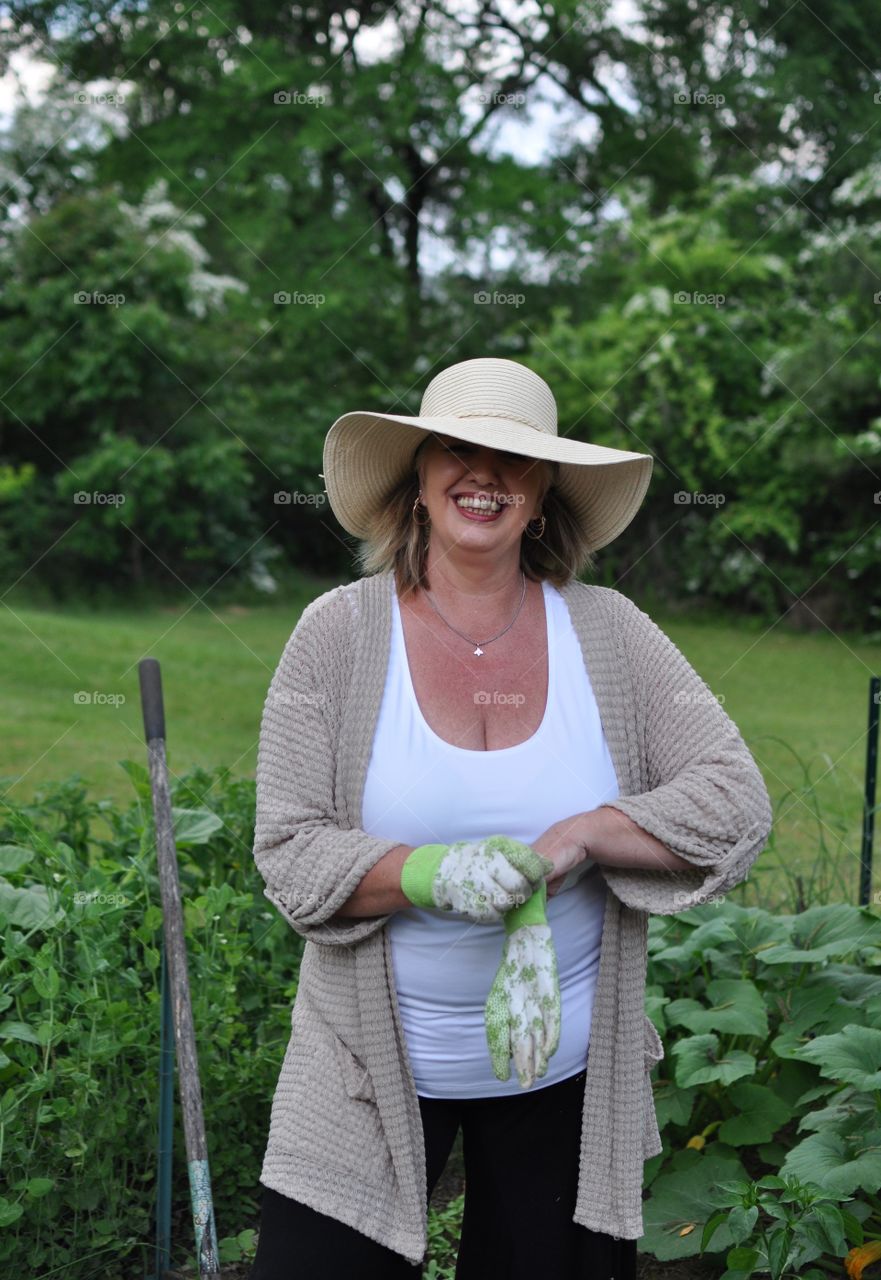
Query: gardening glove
x,y
523,1008
482,879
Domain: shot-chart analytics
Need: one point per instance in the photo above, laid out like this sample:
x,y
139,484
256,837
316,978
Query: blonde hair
x,y
397,542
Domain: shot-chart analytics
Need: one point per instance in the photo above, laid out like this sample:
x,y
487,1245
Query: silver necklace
x,y
478,652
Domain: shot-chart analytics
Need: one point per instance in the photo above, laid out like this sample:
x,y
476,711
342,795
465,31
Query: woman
x,y
477,776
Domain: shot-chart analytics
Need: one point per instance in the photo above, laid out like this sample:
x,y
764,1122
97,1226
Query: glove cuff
x,y
418,872
532,911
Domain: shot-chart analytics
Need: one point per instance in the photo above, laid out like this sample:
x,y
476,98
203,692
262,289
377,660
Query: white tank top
x,y
420,789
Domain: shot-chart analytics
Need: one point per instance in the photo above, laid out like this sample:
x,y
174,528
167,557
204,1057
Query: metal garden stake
x,y
178,984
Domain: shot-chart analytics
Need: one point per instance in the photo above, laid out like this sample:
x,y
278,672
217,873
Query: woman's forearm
x,y
615,840
379,891
609,835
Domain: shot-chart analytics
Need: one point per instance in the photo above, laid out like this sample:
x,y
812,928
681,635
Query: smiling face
x,y
508,486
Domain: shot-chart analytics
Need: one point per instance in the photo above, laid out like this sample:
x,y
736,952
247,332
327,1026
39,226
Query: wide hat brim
x,y
366,454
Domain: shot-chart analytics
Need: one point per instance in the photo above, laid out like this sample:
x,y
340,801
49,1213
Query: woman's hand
x,y
565,844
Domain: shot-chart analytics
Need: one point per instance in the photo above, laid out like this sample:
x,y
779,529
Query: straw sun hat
x,y
494,402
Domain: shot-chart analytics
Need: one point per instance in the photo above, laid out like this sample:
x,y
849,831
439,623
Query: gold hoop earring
x,y
422,523
535,536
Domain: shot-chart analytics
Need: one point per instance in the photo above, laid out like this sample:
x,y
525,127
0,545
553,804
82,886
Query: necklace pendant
x,y
478,652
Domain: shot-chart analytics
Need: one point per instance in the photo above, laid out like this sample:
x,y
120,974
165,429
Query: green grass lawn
x,y
216,668
786,691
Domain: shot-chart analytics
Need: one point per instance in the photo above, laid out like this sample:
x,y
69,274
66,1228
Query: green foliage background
x,y
354,158
80,1010
768,1096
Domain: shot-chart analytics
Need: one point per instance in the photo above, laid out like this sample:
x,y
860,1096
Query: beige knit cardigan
x,y
345,1132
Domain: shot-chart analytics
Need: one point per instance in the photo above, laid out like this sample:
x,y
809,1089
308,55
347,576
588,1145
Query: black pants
x,y
521,1156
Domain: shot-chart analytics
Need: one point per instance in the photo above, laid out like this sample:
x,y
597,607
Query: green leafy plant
x,y
444,1229
770,1105
768,1098
80,1015
779,1225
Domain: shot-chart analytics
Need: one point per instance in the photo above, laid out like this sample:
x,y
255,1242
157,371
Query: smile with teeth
x,y
488,505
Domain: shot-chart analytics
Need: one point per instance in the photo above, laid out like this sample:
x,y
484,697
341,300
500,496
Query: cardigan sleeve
x,y
311,865
705,799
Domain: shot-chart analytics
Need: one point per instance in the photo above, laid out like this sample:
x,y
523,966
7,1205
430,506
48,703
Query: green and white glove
x,y
482,879
523,1008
